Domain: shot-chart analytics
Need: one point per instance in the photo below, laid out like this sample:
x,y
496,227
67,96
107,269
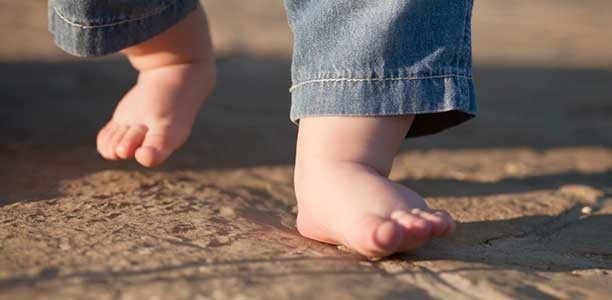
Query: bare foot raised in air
x,y
176,75
344,195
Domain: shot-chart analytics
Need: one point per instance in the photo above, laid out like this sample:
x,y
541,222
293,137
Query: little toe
x,y
102,138
131,140
155,149
417,231
448,219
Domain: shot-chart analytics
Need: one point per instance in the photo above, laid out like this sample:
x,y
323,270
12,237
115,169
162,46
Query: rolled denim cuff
x,y
383,58
96,28
439,101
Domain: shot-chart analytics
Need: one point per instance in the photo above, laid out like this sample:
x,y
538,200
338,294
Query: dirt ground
x,y
529,180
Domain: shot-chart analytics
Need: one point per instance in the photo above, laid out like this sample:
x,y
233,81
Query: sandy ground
x,y
529,180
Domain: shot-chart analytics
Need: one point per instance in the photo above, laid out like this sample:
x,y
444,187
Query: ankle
x,y
309,176
187,42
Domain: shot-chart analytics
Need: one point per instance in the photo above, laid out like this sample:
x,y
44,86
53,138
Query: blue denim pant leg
x,y
383,58
351,57
99,27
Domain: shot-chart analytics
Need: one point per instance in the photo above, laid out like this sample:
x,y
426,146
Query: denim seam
x,y
83,26
468,35
462,42
294,87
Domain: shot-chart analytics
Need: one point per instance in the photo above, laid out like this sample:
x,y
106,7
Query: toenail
x,y
416,211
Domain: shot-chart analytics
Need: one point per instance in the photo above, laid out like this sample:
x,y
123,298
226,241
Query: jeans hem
x,y
86,40
329,80
439,102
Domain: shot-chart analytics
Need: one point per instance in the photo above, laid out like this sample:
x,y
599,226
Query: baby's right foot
x,y
176,74
344,195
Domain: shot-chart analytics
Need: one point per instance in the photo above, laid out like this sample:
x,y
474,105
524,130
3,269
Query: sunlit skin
x,y
343,191
176,75
341,177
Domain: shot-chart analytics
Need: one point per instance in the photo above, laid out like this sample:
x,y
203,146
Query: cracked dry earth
x,y
529,180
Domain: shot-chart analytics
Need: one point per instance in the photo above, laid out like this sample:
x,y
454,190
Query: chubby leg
x,y
344,195
176,74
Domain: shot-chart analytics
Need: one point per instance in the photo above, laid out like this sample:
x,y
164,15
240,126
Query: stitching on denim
x,y
374,79
83,26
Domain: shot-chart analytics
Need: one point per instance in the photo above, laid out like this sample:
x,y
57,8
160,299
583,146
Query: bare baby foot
x,y
344,195
176,75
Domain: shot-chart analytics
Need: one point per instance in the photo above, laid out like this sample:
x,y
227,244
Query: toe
x,y
388,236
108,137
113,140
448,220
417,231
440,224
155,149
102,139
378,237
131,140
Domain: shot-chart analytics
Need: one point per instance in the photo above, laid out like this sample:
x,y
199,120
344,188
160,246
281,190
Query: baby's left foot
x,y
344,195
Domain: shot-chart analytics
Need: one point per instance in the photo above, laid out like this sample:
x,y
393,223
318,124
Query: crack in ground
x,y
547,229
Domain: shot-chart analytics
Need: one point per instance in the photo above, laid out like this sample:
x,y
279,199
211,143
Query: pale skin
x,y
342,164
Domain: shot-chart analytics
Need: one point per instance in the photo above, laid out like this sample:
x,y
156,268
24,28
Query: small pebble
x,y
391,267
365,263
587,210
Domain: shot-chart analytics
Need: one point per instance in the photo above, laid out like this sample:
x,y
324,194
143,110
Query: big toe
x,y
376,237
379,237
155,149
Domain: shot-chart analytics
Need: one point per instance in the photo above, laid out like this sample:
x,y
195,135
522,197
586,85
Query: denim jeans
x,y
351,57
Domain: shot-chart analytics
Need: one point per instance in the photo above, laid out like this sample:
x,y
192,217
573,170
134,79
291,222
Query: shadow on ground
x,y
51,112
65,103
467,188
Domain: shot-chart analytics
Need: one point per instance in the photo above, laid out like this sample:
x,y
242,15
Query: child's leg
x,y
344,195
366,74
169,44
